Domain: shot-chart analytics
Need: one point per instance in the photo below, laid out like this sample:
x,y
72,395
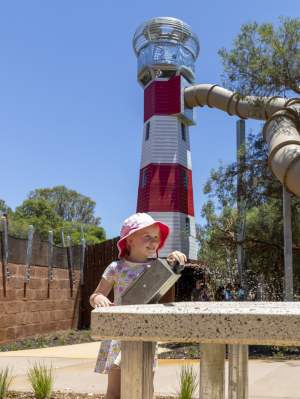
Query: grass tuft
x,y
41,379
188,382
5,381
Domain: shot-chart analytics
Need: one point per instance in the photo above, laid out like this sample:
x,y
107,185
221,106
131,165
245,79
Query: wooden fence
x,y
97,258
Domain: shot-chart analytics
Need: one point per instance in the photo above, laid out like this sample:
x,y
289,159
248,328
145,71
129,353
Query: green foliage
x,y
41,379
40,214
188,382
262,200
5,382
258,182
93,234
69,205
4,208
265,60
57,209
217,241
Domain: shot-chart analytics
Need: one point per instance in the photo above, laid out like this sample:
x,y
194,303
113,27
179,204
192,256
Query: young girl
x,y
140,239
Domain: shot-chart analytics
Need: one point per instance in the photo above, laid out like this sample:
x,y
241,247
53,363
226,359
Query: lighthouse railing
x,y
211,324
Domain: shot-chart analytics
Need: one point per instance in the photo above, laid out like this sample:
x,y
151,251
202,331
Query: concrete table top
x,y
263,323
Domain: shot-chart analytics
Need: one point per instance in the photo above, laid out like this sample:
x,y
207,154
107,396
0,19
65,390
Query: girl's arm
x,y
99,297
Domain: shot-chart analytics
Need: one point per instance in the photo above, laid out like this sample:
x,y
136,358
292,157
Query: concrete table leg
x,y
212,371
137,370
238,371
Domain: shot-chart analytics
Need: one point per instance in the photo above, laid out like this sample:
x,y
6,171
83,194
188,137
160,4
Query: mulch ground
x,y
175,350
62,395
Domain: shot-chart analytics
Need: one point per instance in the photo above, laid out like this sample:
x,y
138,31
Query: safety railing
x,y
211,324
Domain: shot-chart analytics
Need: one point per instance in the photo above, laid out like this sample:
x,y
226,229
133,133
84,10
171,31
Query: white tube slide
x,y
281,131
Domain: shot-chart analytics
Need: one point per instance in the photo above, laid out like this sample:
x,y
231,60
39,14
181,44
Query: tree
x,y
93,234
41,211
70,205
258,183
264,238
36,212
264,60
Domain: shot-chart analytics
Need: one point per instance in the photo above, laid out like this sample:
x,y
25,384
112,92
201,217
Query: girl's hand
x,y
101,301
176,256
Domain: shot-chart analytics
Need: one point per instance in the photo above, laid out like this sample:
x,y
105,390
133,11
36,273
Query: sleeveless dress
x,y
121,273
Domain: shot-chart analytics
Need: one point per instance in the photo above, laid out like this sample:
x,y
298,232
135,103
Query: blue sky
x,y
71,110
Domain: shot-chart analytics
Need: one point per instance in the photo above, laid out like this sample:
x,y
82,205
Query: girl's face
x,y
144,243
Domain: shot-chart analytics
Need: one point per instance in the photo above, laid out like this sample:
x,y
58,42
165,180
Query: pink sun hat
x,y
136,222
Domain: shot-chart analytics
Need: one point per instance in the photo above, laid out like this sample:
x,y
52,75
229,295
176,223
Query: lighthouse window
x,y
183,132
147,131
185,179
144,178
187,225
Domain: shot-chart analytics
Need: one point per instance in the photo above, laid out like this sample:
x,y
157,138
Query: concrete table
x,y
212,324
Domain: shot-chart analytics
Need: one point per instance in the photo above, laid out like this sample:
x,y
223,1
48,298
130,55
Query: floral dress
x,y
122,273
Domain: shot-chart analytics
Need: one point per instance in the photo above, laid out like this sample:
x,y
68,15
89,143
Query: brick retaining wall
x,y
22,317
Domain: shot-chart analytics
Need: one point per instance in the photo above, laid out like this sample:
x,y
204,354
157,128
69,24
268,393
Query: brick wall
x,y
36,313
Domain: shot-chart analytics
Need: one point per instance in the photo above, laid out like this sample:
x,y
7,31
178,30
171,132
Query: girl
x,y
140,239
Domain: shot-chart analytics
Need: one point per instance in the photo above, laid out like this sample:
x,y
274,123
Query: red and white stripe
x,y
165,184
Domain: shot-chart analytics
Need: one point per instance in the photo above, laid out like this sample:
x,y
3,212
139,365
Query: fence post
x,y
82,281
4,254
82,257
28,258
50,260
70,264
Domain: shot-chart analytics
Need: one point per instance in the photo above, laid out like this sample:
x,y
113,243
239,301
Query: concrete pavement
x,y
74,366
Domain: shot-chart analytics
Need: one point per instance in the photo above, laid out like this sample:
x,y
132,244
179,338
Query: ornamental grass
x,y
188,382
5,381
41,379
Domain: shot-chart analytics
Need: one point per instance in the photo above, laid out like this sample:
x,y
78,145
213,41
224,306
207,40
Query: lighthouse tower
x,y
166,50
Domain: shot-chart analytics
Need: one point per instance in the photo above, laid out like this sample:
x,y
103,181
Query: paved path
x,y
74,372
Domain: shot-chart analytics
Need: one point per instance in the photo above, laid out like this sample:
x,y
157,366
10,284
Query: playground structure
x,y
167,50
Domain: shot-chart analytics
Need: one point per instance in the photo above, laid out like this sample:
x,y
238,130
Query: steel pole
x,y
288,246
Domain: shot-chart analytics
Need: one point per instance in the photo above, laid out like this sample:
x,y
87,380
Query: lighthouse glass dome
x,y
163,44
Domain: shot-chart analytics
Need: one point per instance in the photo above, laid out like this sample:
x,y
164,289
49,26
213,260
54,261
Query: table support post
x,y
212,371
137,370
238,371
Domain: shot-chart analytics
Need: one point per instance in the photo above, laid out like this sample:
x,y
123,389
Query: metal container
x,y
151,285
